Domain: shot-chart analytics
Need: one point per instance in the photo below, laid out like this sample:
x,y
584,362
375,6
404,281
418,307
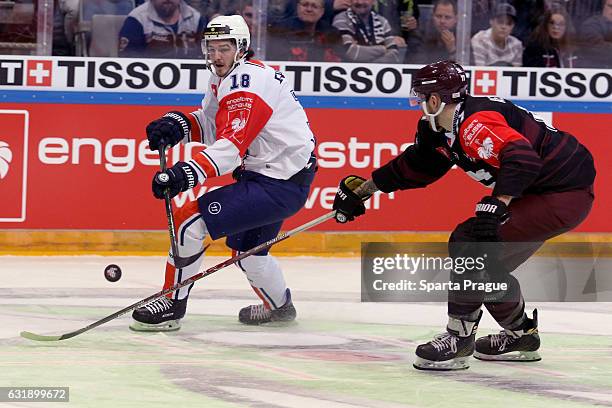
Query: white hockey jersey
x,y
251,117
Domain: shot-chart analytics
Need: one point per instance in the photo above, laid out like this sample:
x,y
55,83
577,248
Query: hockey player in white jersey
x,y
251,124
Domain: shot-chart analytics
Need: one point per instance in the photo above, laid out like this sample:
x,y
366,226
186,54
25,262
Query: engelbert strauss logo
x,y
6,156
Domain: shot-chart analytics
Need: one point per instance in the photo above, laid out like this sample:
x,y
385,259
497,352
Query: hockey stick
x,y
187,282
178,261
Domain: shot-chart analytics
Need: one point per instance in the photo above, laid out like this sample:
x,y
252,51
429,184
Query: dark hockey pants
x,y
534,219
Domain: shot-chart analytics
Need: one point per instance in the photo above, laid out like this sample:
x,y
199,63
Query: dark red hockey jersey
x,y
499,144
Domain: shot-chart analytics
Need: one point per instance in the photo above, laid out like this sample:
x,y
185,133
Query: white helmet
x,y
228,28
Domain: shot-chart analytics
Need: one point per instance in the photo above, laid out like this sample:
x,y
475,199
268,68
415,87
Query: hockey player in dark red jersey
x,y
542,186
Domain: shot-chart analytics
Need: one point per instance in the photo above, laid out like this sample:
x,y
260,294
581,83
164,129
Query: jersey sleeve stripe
x,y
202,176
212,164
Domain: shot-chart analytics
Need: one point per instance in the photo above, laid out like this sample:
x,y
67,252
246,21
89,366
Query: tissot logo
x,y
485,82
39,72
11,72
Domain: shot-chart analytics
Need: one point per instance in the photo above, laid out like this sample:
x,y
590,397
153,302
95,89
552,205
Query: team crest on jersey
x,y
485,151
237,120
238,124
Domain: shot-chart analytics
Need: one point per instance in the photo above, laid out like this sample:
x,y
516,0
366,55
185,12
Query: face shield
x,y
227,50
416,98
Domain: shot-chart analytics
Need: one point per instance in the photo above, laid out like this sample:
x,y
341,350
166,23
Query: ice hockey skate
x,y
450,350
161,315
511,345
259,314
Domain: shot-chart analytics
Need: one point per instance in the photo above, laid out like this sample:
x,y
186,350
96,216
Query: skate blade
x,y
459,363
270,323
170,325
519,356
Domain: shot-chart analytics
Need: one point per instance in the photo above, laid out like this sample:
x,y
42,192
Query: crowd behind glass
x,y
533,33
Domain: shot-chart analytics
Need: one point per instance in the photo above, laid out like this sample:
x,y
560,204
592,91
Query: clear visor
x,y
203,47
205,51
416,98
209,50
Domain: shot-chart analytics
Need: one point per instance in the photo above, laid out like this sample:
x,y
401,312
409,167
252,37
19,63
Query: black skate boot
x,y
258,314
162,315
450,350
511,345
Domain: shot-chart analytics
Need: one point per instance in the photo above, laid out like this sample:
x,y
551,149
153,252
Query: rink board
x,y
80,160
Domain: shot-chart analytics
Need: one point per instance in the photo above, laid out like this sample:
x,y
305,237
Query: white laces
x,y
259,312
501,340
445,341
160,305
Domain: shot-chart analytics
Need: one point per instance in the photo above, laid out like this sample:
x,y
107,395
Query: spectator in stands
x,y
496,46
552,42
438,40
305,37
162,28
597,37
528,15
288,8
366,35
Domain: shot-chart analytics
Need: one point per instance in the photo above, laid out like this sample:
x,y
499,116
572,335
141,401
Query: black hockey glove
x,y
347,204
491,213
168,130
180,177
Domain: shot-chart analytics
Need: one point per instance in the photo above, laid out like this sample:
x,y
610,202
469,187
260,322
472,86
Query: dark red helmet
x,y
446,78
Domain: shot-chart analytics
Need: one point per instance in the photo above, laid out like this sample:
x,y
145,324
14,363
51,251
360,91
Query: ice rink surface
x,y
341,352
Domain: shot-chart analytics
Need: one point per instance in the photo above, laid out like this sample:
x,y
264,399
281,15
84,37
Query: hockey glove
x,y
347,204
180,177
491,213
168,130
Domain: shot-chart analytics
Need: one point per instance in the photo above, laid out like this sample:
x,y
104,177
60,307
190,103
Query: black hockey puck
x,y
112,273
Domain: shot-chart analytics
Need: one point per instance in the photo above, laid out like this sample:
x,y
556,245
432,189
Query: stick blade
x,y
39,337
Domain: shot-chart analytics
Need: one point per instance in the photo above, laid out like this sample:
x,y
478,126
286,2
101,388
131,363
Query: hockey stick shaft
x,y
198,276
169,215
